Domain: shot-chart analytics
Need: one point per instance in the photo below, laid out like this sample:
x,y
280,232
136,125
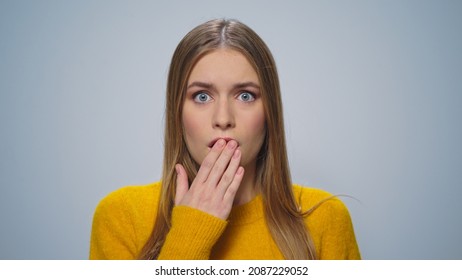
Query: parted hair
x,y
283,215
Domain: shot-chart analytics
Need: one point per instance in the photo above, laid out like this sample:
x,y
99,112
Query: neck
x,y
248,189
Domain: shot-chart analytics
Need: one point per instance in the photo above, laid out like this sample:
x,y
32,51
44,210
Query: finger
x,y
230,172
222,163
231,191
209,161
182,184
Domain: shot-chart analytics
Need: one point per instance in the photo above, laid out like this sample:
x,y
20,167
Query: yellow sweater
x,y
123,221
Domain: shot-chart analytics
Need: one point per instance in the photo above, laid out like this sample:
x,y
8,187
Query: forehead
x,y
223,66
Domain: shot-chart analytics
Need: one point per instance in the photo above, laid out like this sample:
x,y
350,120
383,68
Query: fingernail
x,y
221,143
240,170
232,144
236,153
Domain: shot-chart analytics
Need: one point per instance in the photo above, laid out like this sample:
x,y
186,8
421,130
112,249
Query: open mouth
x,y
227,139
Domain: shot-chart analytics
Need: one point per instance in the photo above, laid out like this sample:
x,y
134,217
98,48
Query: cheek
x,y
193,130
190,124
256,130
256,123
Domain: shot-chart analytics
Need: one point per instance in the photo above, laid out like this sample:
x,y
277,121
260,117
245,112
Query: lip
x,y
227,139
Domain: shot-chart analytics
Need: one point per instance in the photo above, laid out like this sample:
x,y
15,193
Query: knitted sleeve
x,y
192,235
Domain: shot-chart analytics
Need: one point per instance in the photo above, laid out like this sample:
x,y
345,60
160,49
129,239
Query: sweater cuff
x,y
192,235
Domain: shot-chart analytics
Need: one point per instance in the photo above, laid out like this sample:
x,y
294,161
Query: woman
x,y
226,191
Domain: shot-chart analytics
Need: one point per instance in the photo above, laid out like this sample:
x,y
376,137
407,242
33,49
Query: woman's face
x,y
223,100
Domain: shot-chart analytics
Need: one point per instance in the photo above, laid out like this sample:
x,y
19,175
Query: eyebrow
x,y
211,86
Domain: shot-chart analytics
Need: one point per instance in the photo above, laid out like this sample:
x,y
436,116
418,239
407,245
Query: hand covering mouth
x,y
227,139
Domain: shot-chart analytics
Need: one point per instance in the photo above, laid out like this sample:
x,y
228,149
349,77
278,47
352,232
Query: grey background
x,y
372,93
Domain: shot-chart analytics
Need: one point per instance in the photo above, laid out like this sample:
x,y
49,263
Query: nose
x,y
223,115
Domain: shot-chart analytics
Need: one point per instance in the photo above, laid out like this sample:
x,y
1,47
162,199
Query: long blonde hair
x,y
283,216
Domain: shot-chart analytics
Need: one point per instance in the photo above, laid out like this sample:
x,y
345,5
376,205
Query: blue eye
x,y
246,97
202,97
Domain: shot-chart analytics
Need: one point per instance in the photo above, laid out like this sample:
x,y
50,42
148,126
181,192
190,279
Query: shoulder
x,y
129,197
329,223
123,221
320,202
